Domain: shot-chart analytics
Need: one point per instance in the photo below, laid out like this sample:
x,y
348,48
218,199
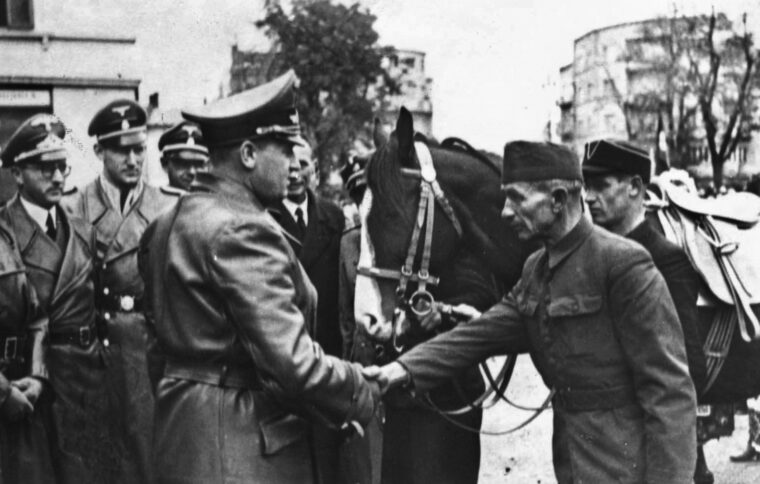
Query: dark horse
x,y
476,259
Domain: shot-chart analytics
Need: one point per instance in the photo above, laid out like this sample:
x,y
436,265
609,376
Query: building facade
x,y
606,91
70,57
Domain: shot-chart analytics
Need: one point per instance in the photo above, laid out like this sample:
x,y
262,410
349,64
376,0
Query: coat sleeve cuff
x,y
365,397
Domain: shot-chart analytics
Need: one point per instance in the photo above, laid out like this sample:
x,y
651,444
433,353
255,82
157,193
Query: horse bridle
x,y
421,302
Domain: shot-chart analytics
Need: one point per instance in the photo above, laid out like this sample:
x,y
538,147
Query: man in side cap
x,y
236,374
56,251
596,317
120,205
183,155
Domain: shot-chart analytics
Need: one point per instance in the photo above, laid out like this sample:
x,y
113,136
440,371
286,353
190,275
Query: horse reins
x,y
422,302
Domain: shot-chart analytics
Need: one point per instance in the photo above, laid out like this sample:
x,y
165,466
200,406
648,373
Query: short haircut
x,y
573,187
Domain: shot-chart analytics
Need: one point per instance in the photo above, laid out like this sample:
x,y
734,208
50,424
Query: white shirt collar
x,y
113,193
292,206
38,213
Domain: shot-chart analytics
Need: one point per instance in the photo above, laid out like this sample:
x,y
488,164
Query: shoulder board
x,y
171,191
70,191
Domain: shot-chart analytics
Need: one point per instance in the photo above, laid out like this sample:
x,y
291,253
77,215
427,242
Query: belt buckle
x,y
126,303
85,336
11,348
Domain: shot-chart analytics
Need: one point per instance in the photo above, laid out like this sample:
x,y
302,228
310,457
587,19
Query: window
x,y
17,14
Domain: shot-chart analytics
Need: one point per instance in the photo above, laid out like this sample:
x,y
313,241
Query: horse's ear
x,y
378,134
405,135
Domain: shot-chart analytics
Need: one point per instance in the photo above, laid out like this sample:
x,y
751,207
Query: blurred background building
x,y
608,91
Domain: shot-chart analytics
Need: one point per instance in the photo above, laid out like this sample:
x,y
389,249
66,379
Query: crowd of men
x,y
203,332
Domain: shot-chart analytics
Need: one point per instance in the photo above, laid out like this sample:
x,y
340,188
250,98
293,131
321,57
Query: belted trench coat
x,y
601,328
227,296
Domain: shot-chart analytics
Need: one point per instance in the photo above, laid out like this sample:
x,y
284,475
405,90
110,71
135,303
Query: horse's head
x,y
430,227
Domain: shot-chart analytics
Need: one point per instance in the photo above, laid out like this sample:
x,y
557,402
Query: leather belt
x,y
83,336
125,303
213,374
12,348
601,399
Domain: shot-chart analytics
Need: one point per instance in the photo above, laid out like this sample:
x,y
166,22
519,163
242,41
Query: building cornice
x,y
100,82
44,37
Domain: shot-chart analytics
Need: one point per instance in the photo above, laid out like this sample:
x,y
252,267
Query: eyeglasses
x,y
49,168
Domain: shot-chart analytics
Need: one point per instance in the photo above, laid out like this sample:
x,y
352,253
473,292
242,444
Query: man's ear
x,y
637,186
16,172
98,149
559,199
248,154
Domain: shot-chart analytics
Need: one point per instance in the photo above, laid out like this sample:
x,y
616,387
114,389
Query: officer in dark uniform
x,y
601,328
57,251
183,155
234,367
120,205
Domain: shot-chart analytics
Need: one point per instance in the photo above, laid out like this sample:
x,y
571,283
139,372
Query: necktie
x,y
50,227
123,194
300,222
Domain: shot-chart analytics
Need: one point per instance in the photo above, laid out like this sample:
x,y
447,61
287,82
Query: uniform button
x,y
105,291
106,315
574,307
105,265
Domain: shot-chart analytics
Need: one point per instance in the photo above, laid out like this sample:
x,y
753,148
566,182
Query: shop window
x,y
17,14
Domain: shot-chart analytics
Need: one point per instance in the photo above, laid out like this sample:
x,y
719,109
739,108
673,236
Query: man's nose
x,y
132,157
58,176
507,212
591,196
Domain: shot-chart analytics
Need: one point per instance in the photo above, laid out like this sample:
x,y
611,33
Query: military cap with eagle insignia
x,y
38,139
184,140
265,111
120,123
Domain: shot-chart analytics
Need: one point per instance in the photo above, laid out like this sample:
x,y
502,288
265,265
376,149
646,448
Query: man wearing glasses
x,y
57,251
120,205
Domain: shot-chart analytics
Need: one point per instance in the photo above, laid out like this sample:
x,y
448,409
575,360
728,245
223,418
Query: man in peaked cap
x,y
616,175
183,155
120,205
56,251
230,309
596,317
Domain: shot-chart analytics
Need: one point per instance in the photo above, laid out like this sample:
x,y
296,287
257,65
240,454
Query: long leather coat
x,y
117,237
601,328
25,447
225,290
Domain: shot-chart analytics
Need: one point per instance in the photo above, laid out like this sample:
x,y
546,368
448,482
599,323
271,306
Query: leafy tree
x,y
697,74
335,52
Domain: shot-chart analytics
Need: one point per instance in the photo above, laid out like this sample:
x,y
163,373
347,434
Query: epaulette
x,y
172,191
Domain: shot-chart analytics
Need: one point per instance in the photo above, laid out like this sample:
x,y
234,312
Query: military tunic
x,y
231,358
602,330
119,299
25,445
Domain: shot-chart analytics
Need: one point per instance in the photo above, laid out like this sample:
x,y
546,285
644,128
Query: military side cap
x,y
185,140
528,161
265,111
604,156
353,172
121,123
39,138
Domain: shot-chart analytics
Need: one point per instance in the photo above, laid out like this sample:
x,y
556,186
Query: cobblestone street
x,y
524,457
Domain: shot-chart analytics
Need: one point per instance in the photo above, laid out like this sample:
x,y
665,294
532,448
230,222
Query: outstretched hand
x,y
388,376
30,387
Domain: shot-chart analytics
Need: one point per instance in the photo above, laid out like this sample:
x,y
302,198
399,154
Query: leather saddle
x,y
721,238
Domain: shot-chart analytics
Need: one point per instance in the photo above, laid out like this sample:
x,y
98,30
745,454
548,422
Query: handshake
x,y
388,376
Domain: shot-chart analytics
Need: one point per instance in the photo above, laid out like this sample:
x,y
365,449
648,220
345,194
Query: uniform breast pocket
x,y
577,320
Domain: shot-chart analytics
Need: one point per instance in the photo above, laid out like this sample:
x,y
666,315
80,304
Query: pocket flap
x,y
281,431
575,305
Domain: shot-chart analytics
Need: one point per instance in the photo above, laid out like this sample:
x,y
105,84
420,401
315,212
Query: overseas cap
x,y
266,111
184,139
121,123
606,156
536,161
39,138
